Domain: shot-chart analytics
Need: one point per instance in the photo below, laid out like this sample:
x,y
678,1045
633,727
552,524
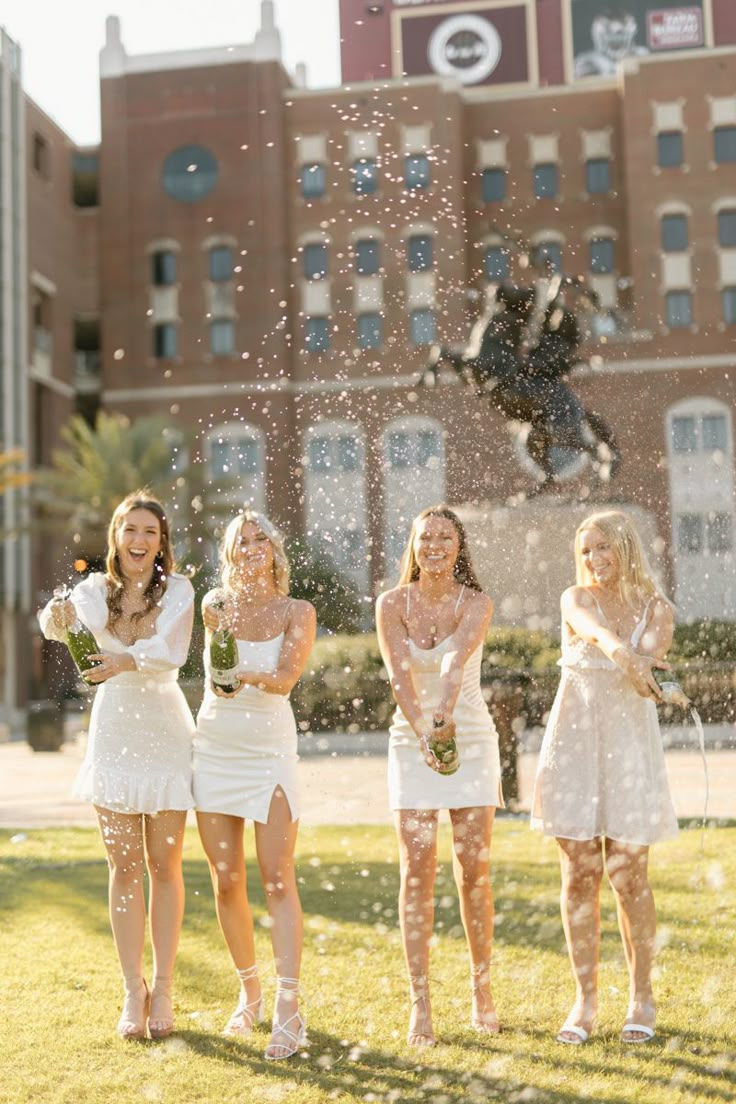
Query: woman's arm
x,y
657,637
477,611
299,636
393,642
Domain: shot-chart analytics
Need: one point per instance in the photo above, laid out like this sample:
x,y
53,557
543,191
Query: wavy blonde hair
x,y
636,579
229,547
163,564
463,569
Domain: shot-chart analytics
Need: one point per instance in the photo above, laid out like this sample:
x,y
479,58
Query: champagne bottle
x,y
672,692
77,637
224,658
444,751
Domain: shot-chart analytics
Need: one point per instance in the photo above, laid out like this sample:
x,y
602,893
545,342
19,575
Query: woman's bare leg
x,y
581,863
471,838
627,869
417,835
164,836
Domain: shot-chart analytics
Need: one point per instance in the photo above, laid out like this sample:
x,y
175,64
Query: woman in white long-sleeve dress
x,y
601,787
245,766
137,768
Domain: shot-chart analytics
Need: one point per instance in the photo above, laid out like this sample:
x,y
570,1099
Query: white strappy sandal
x,y
293,1030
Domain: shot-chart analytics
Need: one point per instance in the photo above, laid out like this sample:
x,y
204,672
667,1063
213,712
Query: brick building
x,y
269,264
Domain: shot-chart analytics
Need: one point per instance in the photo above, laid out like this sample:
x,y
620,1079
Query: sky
x,y
61,42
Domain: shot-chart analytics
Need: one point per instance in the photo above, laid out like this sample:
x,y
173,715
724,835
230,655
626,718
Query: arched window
x,y
413,451
701,461
336,508
236,464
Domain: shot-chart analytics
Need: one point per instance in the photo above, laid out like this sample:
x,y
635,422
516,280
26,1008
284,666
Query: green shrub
x,y
704,641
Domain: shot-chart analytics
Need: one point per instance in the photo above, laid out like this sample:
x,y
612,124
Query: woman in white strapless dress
x,y
137,768
601,787
431,629
245,766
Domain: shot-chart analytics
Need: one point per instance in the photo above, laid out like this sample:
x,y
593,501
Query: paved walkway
x,y
337,787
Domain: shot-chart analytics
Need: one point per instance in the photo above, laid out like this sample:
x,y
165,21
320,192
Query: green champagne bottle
x,y
224,658
445,751
77,637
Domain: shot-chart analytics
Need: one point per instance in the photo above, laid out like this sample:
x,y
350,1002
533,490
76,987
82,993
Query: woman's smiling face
x,y
138,542
436,545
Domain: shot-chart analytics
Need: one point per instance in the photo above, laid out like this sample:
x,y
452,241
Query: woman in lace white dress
x,y
137,769
431,629
245,766
601,788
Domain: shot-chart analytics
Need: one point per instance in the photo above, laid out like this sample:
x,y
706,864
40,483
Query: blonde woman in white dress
x,y
601,788
431,629
137,768
245,766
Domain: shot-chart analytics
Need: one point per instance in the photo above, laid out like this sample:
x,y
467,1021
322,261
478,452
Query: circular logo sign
x,y
465,47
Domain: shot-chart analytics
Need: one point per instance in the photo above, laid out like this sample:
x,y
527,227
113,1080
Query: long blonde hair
x,y
163,564
229,546
463,569
636,579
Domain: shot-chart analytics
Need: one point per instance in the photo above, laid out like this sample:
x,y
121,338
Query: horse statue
x,y
520,351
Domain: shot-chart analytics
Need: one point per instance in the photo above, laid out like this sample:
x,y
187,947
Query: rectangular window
x,y
163,268
347,453
724,144
427,446
370,330
728,298
715,433
398,449
164,340
669,149
674,233
727,229
316,334
598,176
85,180
602,255
41,156
684,434
679,306
423,326
315,261
546,181
720,532
313,181
548,255
493,185
221,263
689,533
495,263
222,337
365,176
220,456
367,257
319,454
416,171
420,252
248,455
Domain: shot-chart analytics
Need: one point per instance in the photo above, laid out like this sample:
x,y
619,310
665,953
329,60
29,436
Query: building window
x,y
674,233
719,530
221,263
416,171
85,180
495,263
365,176
714,432
691,434
163,268
367,256
598,176
689,533
189,174
423,326
370,330
313,181
679,306
316,334
41,156
413,448
548,255
493,185
669,149
728,298
315,261
546,181
420,252
164,340
334,452
724,144
727,229
602,255
222,337
684,434
234,456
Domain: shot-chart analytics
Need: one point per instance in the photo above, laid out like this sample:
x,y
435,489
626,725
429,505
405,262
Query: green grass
x,y
60,987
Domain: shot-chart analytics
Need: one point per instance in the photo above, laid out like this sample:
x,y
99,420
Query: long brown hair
x,y
163,564
463,570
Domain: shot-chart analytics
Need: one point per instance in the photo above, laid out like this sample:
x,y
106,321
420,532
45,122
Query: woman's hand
x,y
63,614
211,618
443,728
638,669
107,665
220,693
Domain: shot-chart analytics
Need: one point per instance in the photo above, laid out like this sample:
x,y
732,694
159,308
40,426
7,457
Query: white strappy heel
x,y
248,1013
293,1029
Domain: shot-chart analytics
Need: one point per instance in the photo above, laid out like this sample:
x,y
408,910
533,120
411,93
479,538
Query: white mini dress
x,y
246,746
601,770
414,785
139,749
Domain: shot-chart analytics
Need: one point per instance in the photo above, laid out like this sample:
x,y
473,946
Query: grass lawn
x,y
61,992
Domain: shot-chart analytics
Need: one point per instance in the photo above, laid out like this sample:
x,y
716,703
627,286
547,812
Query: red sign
x,y
674,28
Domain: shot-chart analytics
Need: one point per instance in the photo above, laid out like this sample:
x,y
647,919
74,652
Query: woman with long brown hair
x,y
137,769
431,629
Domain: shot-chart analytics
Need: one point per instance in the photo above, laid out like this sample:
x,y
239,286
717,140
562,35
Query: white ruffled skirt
x,y
139,752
